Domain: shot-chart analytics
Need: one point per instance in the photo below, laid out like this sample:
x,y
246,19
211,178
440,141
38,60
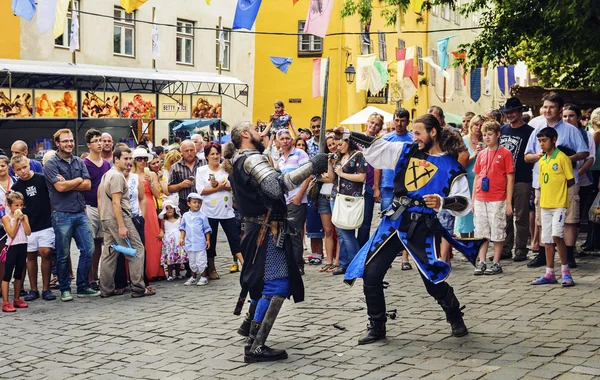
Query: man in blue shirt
x,y
19,148
568,137
386,187
67,178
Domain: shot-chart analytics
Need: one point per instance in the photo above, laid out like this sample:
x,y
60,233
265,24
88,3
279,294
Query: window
x,y
434,56
474,19
124,33
382,46
446,12
185,42
457,13
401,43
308,45
458,80
226,52
435,10
64,41
420,60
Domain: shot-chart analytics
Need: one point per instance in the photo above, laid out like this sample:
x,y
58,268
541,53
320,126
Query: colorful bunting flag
x,y
462,55
363,71
207,2
442,46
378,77
46,15
476,84
74,41
60,21
511,76
24,8
501,79
430,62
295,1
318,77
282,63
317,19
245,14
132,5
155,43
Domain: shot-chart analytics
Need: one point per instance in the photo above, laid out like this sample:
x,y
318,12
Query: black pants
x,y
231,231
121,272
373,276
16,258
296,216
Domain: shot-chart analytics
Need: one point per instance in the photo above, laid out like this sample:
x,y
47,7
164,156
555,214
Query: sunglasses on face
x,y
140,159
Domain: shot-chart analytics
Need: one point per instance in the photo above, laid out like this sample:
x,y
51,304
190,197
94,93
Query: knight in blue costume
x,y
270,273
428,179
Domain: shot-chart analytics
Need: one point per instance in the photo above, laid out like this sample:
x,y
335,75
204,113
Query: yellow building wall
x,y
343,100
10,28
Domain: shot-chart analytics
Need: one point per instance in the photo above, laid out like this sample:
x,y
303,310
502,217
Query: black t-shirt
x,y
37,201
515,140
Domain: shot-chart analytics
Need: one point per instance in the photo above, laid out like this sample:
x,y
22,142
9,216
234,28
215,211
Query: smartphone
x,y
211,177
191,178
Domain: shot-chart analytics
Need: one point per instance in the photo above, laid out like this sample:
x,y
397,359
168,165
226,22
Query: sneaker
x,y
47,295
170,278
32,295
234,268
19,304
202,281
495,268
8,307
190,281
480,268
66,296
567,280
95,285
89,292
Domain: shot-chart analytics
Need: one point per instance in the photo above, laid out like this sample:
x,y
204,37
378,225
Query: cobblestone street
x,y
517,331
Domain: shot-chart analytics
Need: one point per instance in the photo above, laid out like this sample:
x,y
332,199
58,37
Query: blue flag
x,y
502,79
442,47
511,76
245,14
24,8
476,84
282,63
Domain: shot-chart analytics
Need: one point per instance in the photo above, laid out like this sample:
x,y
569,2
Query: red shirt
x,y
495,165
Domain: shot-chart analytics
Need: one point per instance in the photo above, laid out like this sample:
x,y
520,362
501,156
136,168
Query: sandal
x,y
406,266
332,268
213,275
54,282
119,292
325,267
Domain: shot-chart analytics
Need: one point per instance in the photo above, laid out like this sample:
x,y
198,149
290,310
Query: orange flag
x,y
462,55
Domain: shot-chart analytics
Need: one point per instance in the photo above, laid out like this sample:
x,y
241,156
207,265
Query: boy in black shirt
x,y
37,208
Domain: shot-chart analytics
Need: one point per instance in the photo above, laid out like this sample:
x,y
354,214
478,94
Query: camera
x,y
334,156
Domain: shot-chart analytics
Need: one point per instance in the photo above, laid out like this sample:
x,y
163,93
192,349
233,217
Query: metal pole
x,y
219,40
324,111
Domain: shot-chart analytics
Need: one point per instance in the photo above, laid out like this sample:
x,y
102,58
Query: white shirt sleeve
x,y
383,154
460,188
201,172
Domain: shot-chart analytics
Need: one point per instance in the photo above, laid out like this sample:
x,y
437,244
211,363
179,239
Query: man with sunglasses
x,y
67,178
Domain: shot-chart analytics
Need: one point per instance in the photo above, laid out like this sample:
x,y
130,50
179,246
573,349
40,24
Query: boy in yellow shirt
x,y
556,175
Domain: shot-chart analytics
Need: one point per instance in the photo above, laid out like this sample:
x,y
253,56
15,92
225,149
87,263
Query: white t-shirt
x,y
217,205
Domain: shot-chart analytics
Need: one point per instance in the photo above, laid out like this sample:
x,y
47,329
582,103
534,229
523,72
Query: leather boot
x,y
253,330
376,310
539,260
259,352
454,315
571,258
244,329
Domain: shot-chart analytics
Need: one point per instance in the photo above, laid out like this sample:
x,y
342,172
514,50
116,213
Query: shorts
x,y
446,220
553,224
40,239
490,220
573,212
538,210
323,205
95,224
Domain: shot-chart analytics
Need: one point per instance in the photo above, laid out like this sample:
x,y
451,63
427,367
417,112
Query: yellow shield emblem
x,y
418,174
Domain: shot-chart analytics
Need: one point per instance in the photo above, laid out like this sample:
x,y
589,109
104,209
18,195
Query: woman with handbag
x,y
324,207
348,172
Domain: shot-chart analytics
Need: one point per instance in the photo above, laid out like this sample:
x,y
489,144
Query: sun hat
x,y
141,152
166,203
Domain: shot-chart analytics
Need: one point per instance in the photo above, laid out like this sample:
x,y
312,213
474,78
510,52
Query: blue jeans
x,y
348,242
387,196
364,232
68,225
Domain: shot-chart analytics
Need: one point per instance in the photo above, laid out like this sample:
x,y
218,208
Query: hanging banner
x,y
206,107
476,84
138,106
56,104
17,106
174,107
100,105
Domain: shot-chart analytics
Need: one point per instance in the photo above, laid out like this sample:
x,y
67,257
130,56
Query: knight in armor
x,y
428,178
270,272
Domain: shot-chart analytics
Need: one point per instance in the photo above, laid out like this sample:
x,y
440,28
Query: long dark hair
x,y
450,141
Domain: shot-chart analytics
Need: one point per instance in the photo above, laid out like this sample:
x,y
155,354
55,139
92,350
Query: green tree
x,y
555,38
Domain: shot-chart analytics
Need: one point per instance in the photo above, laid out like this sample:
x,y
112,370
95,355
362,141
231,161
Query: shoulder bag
x,y
7,247
348,212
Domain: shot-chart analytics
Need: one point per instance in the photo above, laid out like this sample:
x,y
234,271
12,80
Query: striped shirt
x,y
179,173
293,161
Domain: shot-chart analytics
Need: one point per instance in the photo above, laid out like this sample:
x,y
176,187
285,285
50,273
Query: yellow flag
x,y
207,2
132,5
60,19
417,4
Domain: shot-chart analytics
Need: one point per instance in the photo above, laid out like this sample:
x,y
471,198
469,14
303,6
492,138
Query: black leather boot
x,y
571,257
376,310
454,315
244,329
539,260
252,331
259,352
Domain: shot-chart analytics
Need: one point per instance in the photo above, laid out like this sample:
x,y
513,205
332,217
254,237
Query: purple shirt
x,y
96,173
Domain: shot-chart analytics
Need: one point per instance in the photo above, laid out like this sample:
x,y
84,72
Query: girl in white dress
x,y
172,255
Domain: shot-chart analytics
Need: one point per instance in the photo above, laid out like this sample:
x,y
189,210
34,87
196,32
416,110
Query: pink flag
x,y
317,19
318,77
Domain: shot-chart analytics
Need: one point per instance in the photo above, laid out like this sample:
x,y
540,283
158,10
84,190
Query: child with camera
x,y
492,196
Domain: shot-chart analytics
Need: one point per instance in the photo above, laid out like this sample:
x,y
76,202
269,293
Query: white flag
x,y
435,66
363,71
155,44
74,42
46,15
221,47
